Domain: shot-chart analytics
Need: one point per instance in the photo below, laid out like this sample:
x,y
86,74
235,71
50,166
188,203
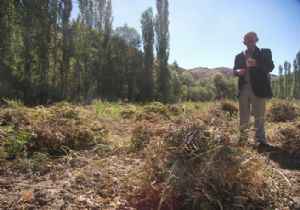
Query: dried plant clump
x,y
228,106
145,132
197,162
14,117
62,125
289,135
48,129
281,111
155,107
129,112
148,197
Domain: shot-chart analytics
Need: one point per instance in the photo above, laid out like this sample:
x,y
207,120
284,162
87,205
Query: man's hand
x,y
240,72
251,62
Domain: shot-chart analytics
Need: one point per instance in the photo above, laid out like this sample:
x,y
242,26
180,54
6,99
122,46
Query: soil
x,y
98,177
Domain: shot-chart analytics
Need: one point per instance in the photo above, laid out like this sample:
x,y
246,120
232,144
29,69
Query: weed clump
x,y
281,111
129,112
155,107
289,134
228,106
147,131
63,125
197,162
47,129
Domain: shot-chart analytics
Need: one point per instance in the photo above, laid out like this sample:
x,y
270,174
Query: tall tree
x,y
287,79
11,49
132,59
66,6
281,82
54,16
107,78
86,8
162,48
99,21
297,76
147,23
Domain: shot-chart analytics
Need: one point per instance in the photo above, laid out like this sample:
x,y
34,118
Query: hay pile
x,y
149,126
288,134
228,106
49,129
281,111
197,165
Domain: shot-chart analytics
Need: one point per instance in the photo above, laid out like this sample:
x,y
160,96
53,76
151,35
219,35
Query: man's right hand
x,y
240,72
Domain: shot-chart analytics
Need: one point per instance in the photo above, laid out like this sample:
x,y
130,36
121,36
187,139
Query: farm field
x,y
153,156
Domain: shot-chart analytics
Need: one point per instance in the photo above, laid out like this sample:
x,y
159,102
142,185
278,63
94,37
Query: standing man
x,y
252,67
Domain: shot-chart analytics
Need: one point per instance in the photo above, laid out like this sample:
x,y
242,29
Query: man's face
x,y
250,41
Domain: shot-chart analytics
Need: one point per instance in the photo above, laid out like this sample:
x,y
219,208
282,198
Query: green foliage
x,y
15,104
162,48
15,144
107,109
147,22
156,107
3,154
199,93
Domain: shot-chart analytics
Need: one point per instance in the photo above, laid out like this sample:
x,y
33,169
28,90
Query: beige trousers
x,y
258,105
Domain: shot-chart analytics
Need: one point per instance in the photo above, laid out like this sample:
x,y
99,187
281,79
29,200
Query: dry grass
x,y
180,158
198,164
281,111
49,129
288,135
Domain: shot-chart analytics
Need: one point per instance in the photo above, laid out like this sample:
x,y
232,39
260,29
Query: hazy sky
x,y
209,33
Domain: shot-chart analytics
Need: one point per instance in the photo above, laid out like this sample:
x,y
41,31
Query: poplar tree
x,y
162,49
281,82
287,79
66,6
297,76
107,76
147,23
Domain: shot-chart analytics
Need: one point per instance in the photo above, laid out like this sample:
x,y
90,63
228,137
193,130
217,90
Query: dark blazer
x,y
259,75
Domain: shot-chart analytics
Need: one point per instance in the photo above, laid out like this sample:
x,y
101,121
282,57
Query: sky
x,y
209,33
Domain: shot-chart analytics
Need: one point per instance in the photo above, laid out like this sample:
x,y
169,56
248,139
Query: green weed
x,y
106,109
15,144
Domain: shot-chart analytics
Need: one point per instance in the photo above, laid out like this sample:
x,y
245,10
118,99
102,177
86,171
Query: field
x,y
153,156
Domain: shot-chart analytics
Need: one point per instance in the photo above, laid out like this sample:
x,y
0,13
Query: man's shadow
x,y
275,153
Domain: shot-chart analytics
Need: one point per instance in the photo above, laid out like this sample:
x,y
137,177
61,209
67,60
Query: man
x,y
252,67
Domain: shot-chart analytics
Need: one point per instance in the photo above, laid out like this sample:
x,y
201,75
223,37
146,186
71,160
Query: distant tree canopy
x,y
45,56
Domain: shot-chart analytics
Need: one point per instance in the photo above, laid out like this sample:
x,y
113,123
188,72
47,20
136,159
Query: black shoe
x,y
262,145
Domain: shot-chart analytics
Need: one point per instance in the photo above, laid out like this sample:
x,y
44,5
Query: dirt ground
x,y
98,177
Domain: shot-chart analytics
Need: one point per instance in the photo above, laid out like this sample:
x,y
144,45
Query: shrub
x,y
281,111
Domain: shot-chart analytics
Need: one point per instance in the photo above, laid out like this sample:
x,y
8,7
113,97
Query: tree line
x,y
46,56
287,86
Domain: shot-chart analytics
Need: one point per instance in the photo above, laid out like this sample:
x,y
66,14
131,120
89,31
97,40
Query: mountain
x,y
203,72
